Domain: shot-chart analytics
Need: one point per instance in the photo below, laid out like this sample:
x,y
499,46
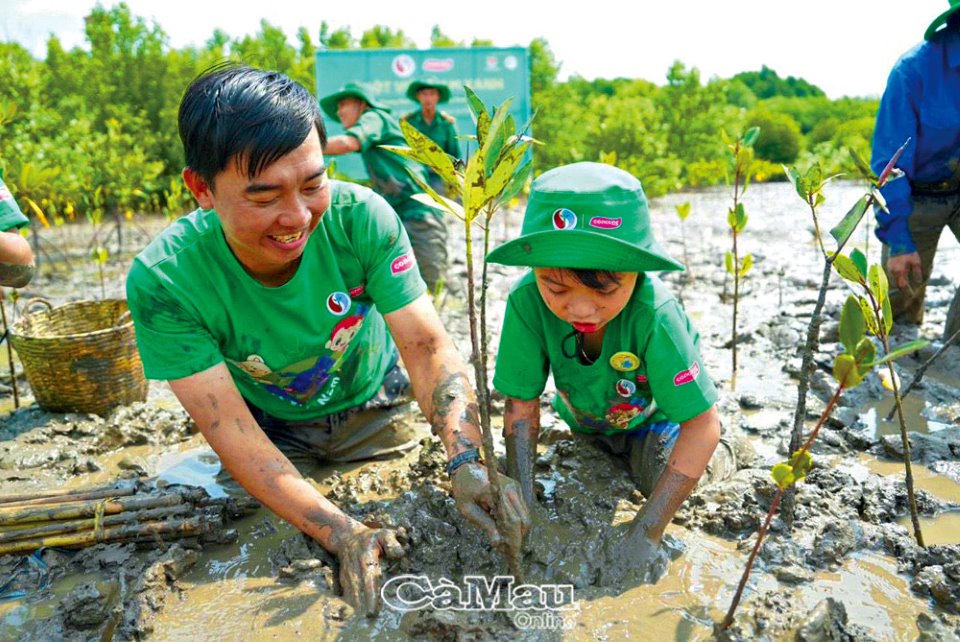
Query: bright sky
x,y
846,47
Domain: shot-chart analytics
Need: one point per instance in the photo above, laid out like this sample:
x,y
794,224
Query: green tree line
x,y
91,132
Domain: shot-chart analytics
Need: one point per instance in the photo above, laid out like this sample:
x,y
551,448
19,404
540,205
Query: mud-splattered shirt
x,y
389,173
649,369
315,345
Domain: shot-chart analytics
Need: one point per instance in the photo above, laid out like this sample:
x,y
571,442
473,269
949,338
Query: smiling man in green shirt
x,y
278,312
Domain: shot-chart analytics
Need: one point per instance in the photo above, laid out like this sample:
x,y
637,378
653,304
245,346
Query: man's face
x,y
267,219
349,111
428,97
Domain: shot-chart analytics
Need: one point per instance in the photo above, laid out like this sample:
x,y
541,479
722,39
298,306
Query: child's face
x,y
584,308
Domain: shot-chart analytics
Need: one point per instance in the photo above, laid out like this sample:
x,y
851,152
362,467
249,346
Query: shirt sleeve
x,y
10,214
368,130
171,342
383,248
522,361
678,379
896,121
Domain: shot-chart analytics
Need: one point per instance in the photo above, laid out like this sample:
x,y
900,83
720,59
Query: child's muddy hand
x,y
359,554
633,559
473,493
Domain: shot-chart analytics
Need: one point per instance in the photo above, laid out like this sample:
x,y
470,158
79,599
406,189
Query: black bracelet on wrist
x,y
465,457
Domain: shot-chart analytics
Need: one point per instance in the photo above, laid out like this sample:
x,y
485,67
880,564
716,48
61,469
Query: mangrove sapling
x,y
683,211
858,359
875,304
494,173
809,188
99,256
742,150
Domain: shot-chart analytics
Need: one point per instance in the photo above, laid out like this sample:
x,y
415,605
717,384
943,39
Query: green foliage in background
x,y
103,116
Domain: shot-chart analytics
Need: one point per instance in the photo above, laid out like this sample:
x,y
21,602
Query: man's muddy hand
x,y
359,551
473,495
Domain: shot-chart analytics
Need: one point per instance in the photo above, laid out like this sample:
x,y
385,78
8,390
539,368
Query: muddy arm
x,y
438,375
16,260
342,144
439,378
213,401
688,460
521,426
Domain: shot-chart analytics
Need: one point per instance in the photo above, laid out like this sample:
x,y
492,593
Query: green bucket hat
x,y
417,85
351,89
941,20
586,216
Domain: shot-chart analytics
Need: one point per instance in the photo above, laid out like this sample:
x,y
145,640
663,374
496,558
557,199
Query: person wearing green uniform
x,y
16,256
368,125
438,126
278,313
624,356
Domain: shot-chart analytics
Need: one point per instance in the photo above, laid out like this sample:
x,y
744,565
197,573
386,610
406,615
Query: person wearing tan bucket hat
x,y
437,125
624,356
368,125
921,102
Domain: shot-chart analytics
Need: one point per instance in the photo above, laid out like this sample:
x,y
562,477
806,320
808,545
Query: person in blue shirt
x,y
921,102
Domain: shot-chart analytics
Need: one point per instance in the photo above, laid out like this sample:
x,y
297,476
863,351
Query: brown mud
x,y
849,570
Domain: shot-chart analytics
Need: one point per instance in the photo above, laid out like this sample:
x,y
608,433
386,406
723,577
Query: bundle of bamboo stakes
x,y
121,512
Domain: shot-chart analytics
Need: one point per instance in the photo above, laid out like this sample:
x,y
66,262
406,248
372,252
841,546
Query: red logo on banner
x,y
436,64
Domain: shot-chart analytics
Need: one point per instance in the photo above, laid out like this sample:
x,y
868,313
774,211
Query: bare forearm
x,y
341,145
16,260
254,462
274,481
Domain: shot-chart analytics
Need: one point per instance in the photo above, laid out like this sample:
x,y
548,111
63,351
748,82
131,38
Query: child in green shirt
x,y
624,356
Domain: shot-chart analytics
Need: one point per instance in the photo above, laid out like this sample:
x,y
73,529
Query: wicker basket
x,y
80,357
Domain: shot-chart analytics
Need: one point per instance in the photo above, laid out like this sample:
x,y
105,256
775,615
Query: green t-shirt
x,y
10,214
315,345
649,369
442,131
388,172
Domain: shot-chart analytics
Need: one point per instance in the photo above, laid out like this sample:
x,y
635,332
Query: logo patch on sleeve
x,y
604,223
402,263
688,375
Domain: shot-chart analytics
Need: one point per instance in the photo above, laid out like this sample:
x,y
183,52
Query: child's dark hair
x,y
596,279
232,110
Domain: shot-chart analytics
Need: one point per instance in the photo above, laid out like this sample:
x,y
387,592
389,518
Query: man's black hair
x,y
232,110
596,279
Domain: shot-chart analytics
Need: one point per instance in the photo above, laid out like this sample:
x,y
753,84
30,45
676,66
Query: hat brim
x,y
568,249
416,86
940,21
329,103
